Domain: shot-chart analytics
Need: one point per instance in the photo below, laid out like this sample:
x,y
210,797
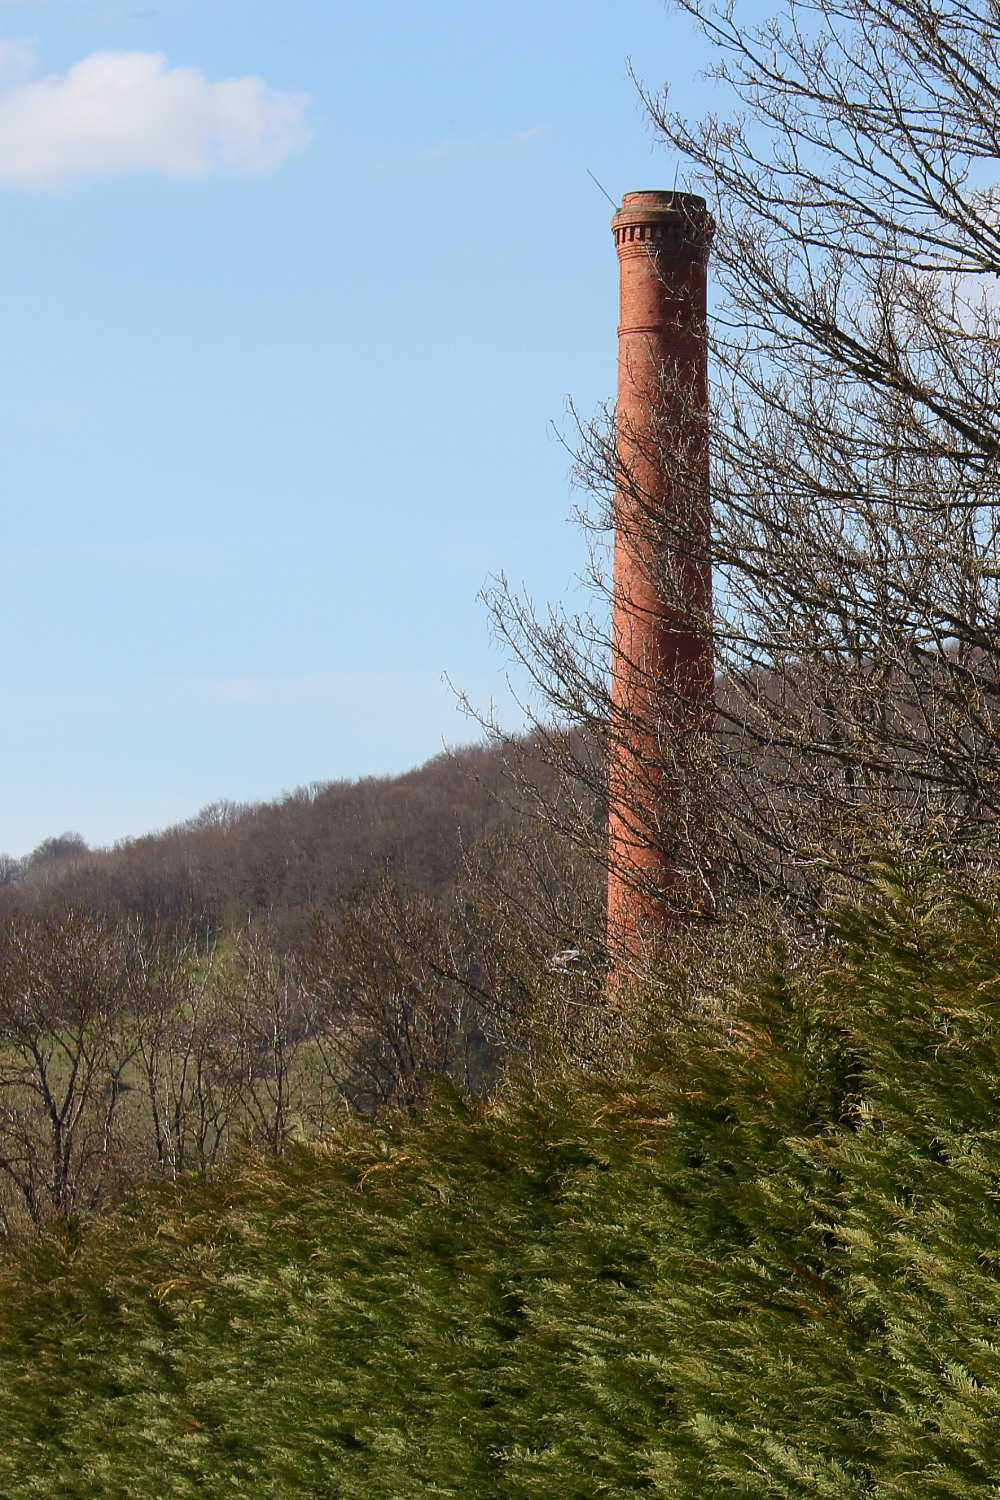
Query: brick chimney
x,y
662,677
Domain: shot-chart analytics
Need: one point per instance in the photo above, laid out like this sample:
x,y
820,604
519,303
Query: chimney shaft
x,y
662,676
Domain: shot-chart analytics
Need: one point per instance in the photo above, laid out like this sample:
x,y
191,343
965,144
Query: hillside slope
x,y
286,857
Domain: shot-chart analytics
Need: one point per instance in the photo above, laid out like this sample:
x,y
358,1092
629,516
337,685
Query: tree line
x,y
280,860
133,1048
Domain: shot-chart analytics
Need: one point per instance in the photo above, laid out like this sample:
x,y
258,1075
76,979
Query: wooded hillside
x,y
288,856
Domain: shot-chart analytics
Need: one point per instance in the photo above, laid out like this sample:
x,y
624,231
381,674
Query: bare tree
x,y
855,434
267,1019
531,912
66,1043
188,1060
390,1009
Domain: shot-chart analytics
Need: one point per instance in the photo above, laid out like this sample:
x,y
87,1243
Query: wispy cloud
x,y
17,58
131,111
461,147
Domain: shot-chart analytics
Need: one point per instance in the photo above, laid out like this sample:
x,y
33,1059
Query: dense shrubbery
x,y
763,1264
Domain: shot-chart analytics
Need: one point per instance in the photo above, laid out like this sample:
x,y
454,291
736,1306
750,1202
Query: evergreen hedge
x,y
766,1265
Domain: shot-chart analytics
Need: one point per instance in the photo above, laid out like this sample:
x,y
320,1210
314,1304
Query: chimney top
x,y
683,211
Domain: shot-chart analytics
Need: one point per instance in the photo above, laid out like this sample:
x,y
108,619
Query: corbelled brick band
x,y
662,677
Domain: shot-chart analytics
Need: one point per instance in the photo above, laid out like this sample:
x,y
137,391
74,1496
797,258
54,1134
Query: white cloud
x,y
131,111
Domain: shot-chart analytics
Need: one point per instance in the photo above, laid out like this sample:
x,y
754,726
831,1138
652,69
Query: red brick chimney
x,y
662,678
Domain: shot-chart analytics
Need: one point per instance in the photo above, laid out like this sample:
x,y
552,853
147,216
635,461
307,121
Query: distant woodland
x,y
282,860
249,975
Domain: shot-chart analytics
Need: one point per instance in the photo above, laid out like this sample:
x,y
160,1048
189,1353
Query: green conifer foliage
x,y
767,1264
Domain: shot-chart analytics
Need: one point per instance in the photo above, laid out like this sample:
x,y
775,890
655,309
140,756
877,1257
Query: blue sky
x,y
292,295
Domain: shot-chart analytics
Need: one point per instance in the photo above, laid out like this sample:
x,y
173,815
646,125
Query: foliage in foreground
x,y
768,1264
